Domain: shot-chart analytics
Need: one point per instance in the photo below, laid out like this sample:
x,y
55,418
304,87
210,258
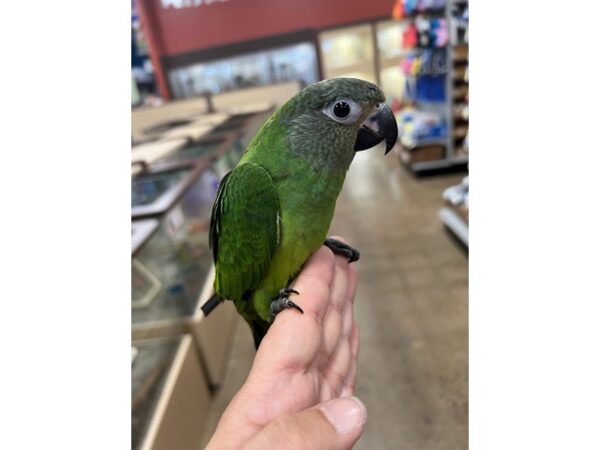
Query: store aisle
x,y
411,307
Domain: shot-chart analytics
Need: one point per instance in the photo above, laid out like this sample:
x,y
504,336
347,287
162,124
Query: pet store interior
x,y
206,75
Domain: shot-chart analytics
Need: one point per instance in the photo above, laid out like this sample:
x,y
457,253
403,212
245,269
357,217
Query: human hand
x,y
298,392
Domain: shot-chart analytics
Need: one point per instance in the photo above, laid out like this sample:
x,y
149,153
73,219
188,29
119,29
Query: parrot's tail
x,y
210,304
259,327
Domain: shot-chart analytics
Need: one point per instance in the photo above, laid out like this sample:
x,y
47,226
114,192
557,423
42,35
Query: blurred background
x,y
205,75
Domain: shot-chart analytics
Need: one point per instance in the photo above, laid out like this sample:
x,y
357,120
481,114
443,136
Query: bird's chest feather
x,y
306,212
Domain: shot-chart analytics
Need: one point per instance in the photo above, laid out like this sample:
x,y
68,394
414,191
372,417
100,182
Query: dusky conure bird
x,y
275,208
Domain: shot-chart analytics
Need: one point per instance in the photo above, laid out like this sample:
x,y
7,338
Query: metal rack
x,y
451,160
455,223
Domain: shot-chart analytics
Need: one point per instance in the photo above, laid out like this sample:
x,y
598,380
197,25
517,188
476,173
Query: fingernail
x,y
345,414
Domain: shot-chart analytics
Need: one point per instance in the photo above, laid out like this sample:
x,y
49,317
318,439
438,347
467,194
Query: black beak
x,y
379,126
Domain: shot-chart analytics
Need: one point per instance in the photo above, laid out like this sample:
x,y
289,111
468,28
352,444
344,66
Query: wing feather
x,y
244,230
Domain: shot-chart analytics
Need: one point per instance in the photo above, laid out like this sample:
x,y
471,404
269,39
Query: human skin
x,y
299,391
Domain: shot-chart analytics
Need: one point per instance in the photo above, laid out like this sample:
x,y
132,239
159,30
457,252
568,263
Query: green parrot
x,y
275,208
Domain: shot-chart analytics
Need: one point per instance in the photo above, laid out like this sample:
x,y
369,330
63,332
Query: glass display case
x,y
243,125
172,268
163,127
204,148
149,369
170,397
348,52
192,131
146,153
170,254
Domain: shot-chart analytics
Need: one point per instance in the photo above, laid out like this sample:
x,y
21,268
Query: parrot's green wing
x,y
244,230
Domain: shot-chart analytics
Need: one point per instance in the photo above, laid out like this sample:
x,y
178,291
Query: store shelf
x,y
458,117
462,152
459,74
455,223
460,92
447,163
445,155
427,143
431,13
460,131
460,53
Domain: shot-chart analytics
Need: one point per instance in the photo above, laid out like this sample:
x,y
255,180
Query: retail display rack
x,y
455,212
446,149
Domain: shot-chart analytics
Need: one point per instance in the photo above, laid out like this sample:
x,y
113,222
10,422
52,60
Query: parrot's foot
x,y
339,248
283,302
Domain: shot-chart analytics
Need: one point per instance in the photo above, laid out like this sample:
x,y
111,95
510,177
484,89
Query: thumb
x,y
336,424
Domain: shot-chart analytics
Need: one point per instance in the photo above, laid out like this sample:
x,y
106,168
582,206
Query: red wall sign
x,y
179,26
187,25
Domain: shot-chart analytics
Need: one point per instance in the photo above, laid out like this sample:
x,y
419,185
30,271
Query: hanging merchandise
x,y
410,36
440,32
459,26
430,88
425,76
425,33
423,27
410,7
398,11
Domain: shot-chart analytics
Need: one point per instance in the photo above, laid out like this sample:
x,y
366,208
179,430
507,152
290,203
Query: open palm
x,y
304,359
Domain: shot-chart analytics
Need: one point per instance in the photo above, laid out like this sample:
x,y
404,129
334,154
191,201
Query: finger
x,y
339,365
347,321
352,283
339,285
332,323
318,270
350,381
355,340
340,238
340,360
294,339
333,425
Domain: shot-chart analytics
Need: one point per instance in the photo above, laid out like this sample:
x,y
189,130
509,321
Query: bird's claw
x,y
341,249
283,302
287,291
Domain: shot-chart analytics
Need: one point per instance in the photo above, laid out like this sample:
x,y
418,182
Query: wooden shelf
x,y
461,92
460,53
460,131
459,74
458,116
462,152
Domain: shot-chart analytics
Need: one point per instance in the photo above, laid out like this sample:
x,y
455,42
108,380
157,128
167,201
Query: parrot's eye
x,y
343,110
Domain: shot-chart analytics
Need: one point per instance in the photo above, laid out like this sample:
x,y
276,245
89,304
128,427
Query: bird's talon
x,y
291,304
339,248
283,302
286,291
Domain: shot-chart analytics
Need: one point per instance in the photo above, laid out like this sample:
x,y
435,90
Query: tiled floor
x,y
411,307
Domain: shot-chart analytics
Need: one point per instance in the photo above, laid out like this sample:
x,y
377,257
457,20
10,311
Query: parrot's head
x,y
332,119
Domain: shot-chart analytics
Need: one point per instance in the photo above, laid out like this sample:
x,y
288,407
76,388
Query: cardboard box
x,y
423,153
